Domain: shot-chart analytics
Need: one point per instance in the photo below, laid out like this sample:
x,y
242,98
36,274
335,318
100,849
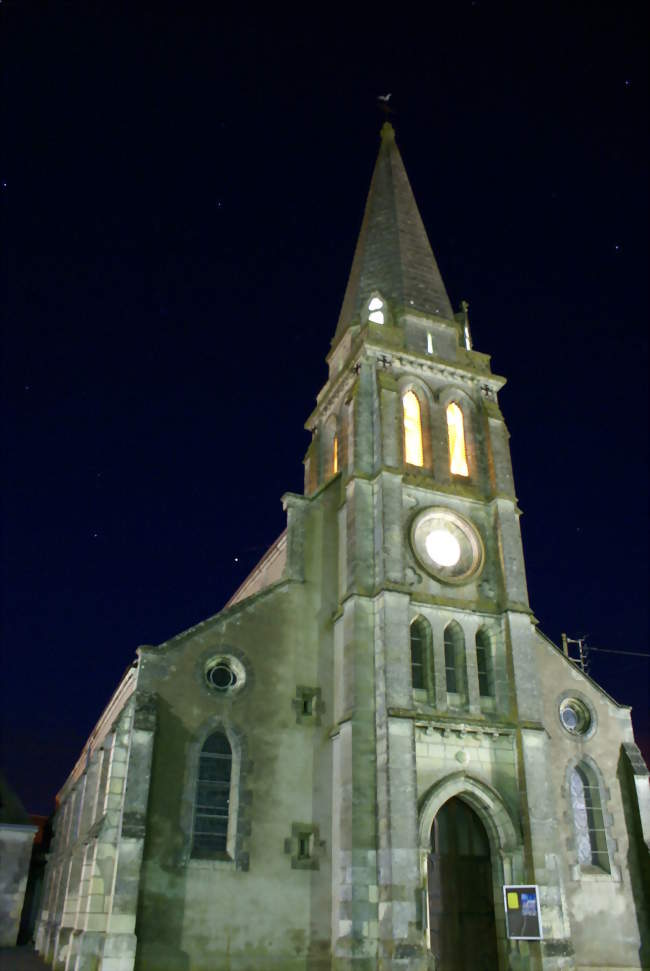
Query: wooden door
x,y
461,905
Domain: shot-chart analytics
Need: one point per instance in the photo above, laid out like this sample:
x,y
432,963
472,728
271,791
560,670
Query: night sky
x,y
182,189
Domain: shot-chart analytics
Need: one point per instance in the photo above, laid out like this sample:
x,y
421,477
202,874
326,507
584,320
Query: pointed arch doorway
x,y
462,931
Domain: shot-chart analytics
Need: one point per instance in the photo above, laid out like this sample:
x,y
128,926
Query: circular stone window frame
x,y
226,659
472,558
585,709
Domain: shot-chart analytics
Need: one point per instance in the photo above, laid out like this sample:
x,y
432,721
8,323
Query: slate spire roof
x,y
393,256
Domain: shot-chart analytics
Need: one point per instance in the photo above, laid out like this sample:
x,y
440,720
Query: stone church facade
x,y
343,768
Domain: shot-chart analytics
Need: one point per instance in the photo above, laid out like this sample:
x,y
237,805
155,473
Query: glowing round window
x,y
442,547
447,545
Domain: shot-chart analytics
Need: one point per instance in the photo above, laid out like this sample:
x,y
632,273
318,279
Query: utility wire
x,y
607,650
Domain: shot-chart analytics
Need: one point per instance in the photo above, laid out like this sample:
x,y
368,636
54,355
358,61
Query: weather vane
x,y
383,105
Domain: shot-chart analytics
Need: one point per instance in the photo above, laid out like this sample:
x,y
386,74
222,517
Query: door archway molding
x,y
484,800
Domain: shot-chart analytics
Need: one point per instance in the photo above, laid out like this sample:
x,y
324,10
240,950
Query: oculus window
x,y
225,674
575,717
446,545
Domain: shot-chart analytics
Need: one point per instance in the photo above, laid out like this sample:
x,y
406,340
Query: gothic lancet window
x,y
588,821
456,433
455,659
413,454
484,663
422,677
335,455
450,666
417,658
212,803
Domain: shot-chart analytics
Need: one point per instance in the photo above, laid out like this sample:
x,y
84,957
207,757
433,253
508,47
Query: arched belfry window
x,y
455,661
422,674
212,801
413,453
588,820
456,435
376,311
484,664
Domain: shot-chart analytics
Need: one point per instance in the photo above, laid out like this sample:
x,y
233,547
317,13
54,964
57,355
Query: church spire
x,y
393,254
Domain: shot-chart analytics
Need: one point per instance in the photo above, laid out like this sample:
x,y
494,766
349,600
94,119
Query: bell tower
x,y
433,636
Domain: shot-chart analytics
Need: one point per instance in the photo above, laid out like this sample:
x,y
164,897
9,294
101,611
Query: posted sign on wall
x,y
523,921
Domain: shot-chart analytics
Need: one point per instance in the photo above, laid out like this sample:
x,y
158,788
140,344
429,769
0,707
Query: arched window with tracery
x,y
422,673
212,800
588,819
412,418
484,664
455,662
456,436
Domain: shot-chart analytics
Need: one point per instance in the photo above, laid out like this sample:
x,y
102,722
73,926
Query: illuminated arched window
x,y
456,432
588,820
335,455
412,429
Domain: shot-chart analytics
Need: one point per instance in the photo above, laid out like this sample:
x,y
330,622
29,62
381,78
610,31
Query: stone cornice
x,y
365,348
464,722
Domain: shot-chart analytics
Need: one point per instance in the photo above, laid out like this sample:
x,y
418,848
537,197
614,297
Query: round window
x,y
575,716
222,677
446,544
225,674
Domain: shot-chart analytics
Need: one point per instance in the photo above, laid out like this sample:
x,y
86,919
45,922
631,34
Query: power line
x,y
607,650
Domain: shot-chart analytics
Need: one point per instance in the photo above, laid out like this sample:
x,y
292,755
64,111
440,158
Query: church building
x,y
371,758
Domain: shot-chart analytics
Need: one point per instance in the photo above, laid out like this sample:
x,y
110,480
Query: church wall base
x,y
119,952
61,948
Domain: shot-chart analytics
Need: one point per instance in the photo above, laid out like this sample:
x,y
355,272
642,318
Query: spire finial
x,y
387,130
